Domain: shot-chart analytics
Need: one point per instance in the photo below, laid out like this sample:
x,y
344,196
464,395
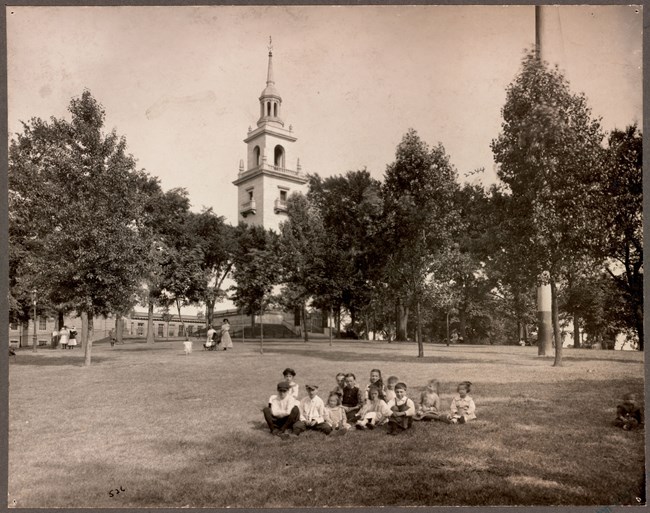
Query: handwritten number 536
x,y
115,492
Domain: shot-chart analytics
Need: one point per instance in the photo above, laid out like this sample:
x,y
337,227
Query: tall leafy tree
x,y
550,156
256,269
420,213
214,239
350,207
77,210
301,247
166,230
622,219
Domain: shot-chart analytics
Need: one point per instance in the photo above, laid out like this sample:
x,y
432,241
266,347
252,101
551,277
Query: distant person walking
x,y
64,336
226,341
73,338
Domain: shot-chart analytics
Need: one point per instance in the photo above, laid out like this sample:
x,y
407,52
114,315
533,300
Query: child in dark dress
x,y
353,398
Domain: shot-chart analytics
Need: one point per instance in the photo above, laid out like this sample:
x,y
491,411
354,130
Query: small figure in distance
x,y
209,338
282,411
336,416
462,405
403,410
312,413
72,342
429,407
64,335
289,375
629,414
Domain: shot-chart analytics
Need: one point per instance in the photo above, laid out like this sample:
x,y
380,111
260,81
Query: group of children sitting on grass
x,y
347,404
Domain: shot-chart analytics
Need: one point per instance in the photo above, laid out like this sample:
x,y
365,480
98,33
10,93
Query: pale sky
x,y
182,83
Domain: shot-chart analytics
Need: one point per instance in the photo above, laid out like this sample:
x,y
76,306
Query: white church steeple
x,y
270,100
267,180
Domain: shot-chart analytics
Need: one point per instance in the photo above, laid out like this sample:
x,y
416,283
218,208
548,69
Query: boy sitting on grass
x,y
282,412
312,413
403,410
628,414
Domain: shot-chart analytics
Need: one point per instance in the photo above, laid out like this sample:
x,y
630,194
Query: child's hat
x,y
311,387
283,385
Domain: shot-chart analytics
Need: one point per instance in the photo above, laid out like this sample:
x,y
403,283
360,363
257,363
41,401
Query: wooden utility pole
x,y
544,318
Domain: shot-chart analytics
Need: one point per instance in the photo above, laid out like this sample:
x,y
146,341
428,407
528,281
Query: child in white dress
x,y
335,414
462,408
374,412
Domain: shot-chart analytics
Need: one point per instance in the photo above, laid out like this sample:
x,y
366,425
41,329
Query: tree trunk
x,y
261,331
178,307
462,324
366,322
209,311
418,330
402,321
59,325
576,331
639,325
119,329
556,325
303,322
85,339
303,317
330,317
150,323
338,322
24,334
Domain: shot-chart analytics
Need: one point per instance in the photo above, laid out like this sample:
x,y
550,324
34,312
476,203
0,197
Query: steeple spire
x,y
270,100
269,75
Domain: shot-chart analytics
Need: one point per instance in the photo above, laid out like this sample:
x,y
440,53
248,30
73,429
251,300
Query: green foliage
x,y
621,212
75,213
214,240
256,267
550,156
420,215
350,209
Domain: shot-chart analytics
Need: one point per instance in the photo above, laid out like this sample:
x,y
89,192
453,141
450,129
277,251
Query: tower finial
x,y
270,46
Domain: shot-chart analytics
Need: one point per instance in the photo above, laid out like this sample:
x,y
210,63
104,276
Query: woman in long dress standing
x,y
226,341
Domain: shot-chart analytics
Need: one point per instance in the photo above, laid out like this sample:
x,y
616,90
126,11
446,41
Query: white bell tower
x,y
267,180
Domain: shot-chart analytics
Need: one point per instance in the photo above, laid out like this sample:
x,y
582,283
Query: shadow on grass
x,y
602,360
369,356
53,361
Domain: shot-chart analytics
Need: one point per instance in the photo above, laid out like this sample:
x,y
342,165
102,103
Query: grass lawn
x,y
175,430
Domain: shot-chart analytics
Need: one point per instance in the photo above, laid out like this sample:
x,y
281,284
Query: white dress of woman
x,y
226,341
